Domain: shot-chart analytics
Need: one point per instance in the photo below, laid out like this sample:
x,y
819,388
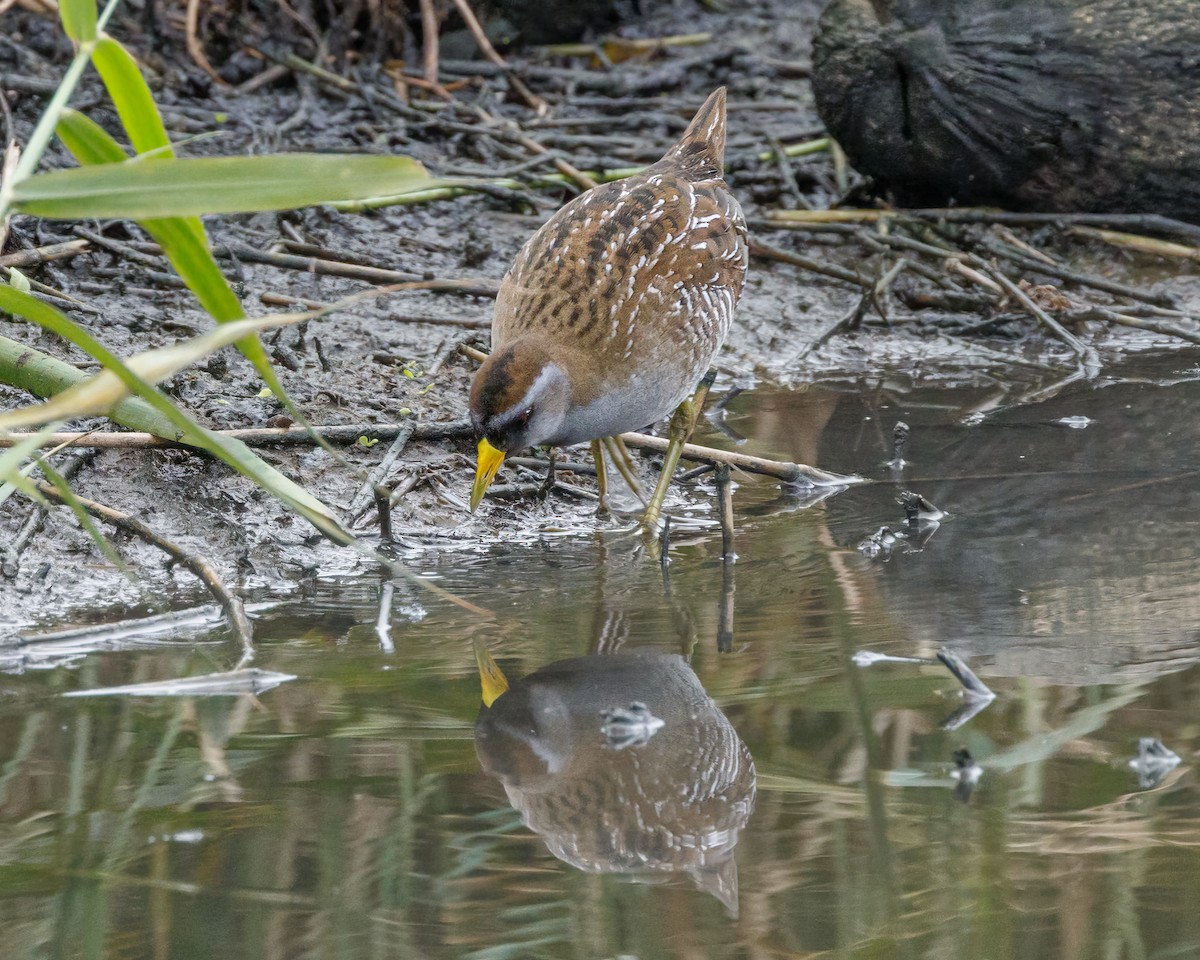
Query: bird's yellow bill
x,y
491,677
488,463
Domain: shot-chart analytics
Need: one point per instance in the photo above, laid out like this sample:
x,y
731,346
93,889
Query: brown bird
x,y
614,309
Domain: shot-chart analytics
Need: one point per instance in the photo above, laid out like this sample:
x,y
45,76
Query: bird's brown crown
x,y
515,391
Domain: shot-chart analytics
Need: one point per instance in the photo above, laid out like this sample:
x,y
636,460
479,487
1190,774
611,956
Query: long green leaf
x,y
182,238
88,142
10,465
132,98
233,452
148,188
137,110
79,19
99,393
39,139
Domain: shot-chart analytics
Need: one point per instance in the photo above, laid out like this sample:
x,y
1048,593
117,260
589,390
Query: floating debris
x,y
868,658
966,774
631,726
228,684
900,434
918,510
1075,423
879,545
973,687
976,694
921,522
1153,762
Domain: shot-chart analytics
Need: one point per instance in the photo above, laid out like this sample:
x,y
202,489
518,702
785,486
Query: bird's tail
x,y
701,149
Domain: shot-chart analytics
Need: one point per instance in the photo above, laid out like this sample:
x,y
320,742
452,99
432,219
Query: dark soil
x,y
397,354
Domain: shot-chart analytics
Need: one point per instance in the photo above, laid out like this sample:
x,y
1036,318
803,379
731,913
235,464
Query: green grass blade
x,y
42,375
139,116
145,189
233,452
99,393
10,464
88,142
79,19
132,98
183,241
36,145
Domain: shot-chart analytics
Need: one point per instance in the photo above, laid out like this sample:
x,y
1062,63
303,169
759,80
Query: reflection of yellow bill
x,y
491,677
489,462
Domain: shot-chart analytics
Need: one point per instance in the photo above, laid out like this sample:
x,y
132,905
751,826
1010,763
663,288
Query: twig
x,y
787,176
46,291
783,471
36,256
1135,241
851,321
11,558
256,437
194,47
954,265
470,323
1084,279
352,271
761,249
272,74
1152,223
201,568
725,496
429,41
475,354
383,623
627,47
1138,323
377,475
1088,357
485,45
819,145
129,251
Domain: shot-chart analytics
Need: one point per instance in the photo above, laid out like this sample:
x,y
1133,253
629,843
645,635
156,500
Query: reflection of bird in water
x,y
623,764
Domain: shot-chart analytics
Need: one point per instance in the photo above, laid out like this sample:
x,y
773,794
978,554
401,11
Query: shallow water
x,y
356,812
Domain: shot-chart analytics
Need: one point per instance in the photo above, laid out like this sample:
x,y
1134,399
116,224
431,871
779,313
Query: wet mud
x,y
396,357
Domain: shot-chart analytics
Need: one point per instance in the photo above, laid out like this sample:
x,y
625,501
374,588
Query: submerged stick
x,y
779,469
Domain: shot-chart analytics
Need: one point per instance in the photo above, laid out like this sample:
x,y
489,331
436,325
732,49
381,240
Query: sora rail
x,y
614,309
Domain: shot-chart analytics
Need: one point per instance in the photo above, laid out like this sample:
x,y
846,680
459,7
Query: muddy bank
x,y
396,357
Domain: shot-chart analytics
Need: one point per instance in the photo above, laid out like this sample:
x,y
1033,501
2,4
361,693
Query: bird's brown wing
x,y
649,267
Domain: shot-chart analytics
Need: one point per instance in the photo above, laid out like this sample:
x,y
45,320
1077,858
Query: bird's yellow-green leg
x,y
548,483
683,422
624,464
601,477
489,460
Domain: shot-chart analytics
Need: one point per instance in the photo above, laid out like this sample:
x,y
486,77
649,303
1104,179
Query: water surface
x,y
807,809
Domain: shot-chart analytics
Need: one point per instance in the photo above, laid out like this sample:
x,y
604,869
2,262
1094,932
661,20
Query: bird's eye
x,y
526,414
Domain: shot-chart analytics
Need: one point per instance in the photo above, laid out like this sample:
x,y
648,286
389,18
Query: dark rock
x,y
559,21
1045,104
